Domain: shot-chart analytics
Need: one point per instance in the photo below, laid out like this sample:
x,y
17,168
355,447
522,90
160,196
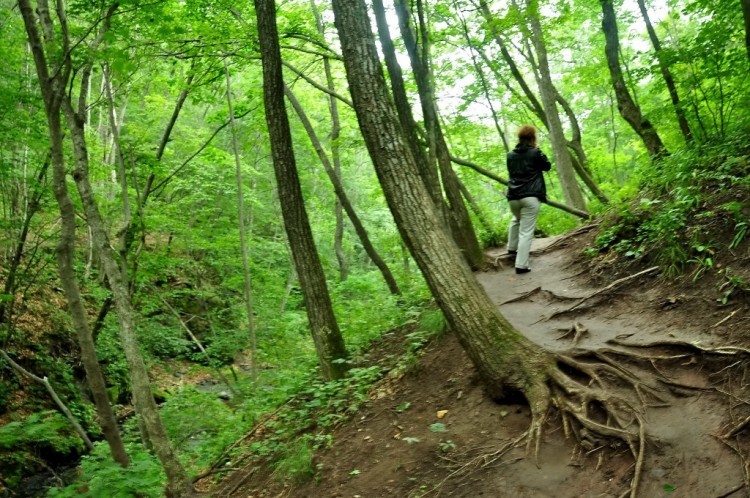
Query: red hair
x,y
527,135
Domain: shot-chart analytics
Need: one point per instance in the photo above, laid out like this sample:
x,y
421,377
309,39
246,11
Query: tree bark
x,y
338,188
459,219
563,163
53,88
667,73
405,116
504,359
746,17
625,104
329,343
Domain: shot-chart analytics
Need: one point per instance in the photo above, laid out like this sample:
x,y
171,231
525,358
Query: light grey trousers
x,y
521,231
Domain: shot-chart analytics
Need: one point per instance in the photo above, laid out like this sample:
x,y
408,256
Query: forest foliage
x,y
159,138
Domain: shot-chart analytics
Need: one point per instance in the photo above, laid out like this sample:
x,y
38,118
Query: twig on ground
x,y
248,434
480,461
606,289
725,319
737,428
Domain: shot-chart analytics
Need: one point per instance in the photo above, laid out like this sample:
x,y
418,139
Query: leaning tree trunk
x,y
338,188
563,164
178,483
504,358
329,343
459,219
667,73
629,110
53,91
406,118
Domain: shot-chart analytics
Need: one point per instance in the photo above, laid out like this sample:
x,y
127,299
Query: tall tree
x,y
419,55
333,108
329,343
746,17
505,359
577,158
338,188
563,163
55,85
247,286
629,110
667,73
489,339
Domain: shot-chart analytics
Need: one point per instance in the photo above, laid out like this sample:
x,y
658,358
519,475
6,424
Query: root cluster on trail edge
x,y
601,396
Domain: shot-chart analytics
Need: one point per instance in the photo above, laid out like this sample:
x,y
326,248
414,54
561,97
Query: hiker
x,y
526,191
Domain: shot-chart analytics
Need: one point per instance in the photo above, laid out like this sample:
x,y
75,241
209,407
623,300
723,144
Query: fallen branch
x,y
248,434
606,289
737,429
489,174
200,346
62,406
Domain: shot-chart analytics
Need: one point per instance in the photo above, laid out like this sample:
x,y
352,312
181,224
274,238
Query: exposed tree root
x,y
523,296
575,332
617,283
564,238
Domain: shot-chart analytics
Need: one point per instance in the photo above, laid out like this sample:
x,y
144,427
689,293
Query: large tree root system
x,y
602,396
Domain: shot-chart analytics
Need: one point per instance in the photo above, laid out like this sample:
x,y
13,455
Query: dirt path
x,y
394,449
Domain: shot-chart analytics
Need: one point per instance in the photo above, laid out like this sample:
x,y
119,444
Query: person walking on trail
x,y
526,191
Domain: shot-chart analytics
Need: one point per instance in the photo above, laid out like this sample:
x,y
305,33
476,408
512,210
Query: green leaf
x,y
438,427
669,488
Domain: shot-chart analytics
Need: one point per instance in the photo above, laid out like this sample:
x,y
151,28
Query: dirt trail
x,y
392,451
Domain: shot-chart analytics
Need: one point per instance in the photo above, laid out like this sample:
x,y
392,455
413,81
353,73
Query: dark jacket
x,y
525,167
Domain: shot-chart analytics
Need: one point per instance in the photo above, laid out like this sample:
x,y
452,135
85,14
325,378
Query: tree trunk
x,y
247,287
746,16
333,108
329,343
53,91
625,104
504,358
406,118
178,483
563,163
579,165
479,71
56,95
667,74
459,219
338,187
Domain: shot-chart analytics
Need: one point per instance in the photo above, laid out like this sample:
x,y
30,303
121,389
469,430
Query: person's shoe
x,y
522,270
512,252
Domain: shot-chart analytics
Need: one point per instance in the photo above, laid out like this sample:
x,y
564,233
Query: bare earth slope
x,y
394,449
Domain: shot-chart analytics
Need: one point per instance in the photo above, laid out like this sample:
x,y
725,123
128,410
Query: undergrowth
x,y
691,216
